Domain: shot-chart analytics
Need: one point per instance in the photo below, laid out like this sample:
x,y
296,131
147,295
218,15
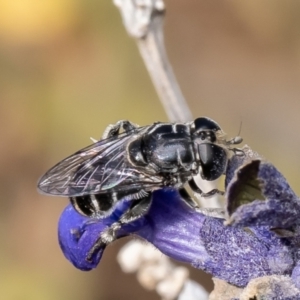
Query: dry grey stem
x,y
143,20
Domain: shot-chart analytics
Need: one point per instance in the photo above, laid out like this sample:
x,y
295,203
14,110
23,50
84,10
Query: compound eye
x,y
213,160
205,123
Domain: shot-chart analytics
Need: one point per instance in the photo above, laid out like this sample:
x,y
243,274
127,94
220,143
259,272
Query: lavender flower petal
x,y
236,161
183,233
234,254
259,195
259,199
77,236
173,227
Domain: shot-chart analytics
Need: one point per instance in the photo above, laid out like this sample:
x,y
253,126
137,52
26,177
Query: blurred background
x,y
68,68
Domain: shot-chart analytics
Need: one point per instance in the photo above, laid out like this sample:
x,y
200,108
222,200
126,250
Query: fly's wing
x,y
99,168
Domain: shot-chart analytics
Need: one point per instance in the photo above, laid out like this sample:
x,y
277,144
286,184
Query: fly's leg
x,y
197,190
105,238
114,129
137,210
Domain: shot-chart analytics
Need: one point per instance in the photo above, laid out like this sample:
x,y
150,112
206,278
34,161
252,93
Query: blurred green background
x,y
68,68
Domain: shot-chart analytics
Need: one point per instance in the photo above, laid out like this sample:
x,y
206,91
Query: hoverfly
x,y
130,162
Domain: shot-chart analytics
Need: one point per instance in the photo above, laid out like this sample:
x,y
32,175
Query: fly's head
x,y
211,147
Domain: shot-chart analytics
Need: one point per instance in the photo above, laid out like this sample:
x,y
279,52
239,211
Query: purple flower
x,y
262,240
260,195
76,236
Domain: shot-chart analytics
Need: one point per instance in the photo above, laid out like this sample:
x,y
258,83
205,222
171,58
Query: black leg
x,y
105,238
197,190
137,210
187,198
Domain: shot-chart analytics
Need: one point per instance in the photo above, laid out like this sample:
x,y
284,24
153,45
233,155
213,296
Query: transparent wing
x,y
99,168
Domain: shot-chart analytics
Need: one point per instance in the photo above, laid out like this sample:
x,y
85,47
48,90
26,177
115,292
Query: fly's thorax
x,y
164,148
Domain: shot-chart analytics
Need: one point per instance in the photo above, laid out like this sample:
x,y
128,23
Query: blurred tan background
x,y
68,68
